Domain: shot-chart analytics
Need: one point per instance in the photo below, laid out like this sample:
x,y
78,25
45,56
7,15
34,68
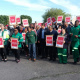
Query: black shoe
x,y
50,59
54,59
5,60
75,63
77,59
42,57
18,61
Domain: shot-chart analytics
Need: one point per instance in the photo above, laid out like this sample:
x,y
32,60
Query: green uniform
x,y
62,55
62,52
31,38
75,42
20,38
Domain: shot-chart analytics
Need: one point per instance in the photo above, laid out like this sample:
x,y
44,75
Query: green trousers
x,y
75,50
62,55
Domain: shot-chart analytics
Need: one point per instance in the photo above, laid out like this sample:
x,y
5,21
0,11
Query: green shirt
x,y
30,38
75,31
20,38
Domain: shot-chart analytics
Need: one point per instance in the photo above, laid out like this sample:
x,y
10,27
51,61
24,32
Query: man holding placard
x,y
5,37
20,39
52,49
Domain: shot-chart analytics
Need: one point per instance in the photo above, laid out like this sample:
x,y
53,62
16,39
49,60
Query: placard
x,y
23,34
18,20
40,24
78,18
59,19
59,31
14,43
67,19
25,22
59,42
49,21
46,24
1,42
12,20
49,40
53,19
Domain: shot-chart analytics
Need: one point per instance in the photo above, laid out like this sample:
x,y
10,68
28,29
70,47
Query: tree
x,y
54,12
4,19
26,17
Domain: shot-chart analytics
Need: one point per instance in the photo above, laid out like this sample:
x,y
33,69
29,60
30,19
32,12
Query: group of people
x,y
35,41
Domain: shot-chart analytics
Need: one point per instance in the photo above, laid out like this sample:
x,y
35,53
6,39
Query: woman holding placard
x,y
62,51
5,36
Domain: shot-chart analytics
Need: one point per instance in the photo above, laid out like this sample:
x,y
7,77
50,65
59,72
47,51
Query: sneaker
x,y
5,60
74,63
34,59
30,59
2,59
18,61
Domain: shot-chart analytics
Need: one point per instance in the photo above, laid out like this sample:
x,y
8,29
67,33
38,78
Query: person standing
x,y
75,35
20,39
42,40
62,52
5,36
30,40
53,49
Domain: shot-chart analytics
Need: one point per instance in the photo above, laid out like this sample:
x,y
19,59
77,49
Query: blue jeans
x,y
32,50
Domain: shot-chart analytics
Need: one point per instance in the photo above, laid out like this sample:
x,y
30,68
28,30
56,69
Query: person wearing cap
x,y
75,35
5,36
20,39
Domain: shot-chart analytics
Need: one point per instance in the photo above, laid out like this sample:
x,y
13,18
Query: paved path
x,y
39,70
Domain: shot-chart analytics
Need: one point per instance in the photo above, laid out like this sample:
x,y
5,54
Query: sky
x,y
36,8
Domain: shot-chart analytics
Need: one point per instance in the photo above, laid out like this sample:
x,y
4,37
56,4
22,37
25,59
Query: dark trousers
x,y
25,49
38,49
3,52
16,53
52,52
43,47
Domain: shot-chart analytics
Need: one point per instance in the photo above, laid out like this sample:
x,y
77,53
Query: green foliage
x,y
4,19
26,17
54,12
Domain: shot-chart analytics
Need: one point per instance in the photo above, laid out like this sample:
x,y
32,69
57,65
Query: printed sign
x,y
18,20
49,40
12,20
67,19
14,43
1,43
25,22
60,40
59,19
23,34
